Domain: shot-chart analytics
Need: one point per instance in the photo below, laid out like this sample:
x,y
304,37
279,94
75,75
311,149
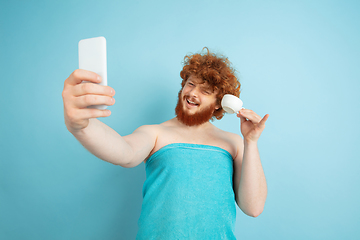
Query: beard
x,y
195,119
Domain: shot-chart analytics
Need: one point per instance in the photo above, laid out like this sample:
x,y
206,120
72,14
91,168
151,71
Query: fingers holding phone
x,y
89,94
81,91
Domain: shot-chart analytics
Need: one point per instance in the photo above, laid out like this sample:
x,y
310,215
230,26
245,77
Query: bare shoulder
x,y
150,132
153,130
233,137
157,135
234,140
148,128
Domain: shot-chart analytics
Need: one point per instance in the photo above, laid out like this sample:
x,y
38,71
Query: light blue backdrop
x,y
297,60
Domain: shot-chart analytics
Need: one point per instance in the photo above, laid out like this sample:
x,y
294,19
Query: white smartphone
x,y
92,57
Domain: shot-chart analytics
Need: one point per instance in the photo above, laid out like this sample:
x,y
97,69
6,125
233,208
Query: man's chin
x,y
189,113
190,118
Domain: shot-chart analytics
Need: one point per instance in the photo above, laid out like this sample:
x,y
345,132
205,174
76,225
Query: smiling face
x,y
216,70
196,103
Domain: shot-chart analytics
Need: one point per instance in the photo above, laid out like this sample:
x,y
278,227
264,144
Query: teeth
x,y
191,102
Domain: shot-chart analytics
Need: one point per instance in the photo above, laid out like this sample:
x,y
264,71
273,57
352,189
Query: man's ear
x,y
217,107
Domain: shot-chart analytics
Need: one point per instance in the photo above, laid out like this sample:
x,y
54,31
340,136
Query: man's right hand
x,y
77,96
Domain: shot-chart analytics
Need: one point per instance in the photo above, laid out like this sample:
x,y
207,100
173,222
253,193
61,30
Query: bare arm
x,y
95,136
249,181
108,145
249,178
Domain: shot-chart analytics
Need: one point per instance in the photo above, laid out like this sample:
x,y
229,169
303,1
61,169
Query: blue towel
x,y
188,194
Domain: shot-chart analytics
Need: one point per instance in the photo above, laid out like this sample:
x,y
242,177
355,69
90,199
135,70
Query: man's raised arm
x,y
95,136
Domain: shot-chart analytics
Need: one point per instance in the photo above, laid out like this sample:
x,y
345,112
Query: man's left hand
x,y
251,125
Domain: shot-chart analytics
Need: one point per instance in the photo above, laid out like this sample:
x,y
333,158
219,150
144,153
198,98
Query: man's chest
x,y
203,138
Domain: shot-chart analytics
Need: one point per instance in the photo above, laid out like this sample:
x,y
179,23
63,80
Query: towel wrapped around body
x,y
188,194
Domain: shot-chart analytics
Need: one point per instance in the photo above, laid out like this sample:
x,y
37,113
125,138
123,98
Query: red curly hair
x,y
215,71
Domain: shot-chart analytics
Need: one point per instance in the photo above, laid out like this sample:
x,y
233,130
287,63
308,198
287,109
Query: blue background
x,y
297,61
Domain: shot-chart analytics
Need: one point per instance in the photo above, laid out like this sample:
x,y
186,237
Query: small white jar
x,y
231,104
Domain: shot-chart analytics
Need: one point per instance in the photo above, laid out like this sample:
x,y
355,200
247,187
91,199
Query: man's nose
x,y
194,92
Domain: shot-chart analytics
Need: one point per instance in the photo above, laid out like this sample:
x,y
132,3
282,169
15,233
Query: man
x,y
195,171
